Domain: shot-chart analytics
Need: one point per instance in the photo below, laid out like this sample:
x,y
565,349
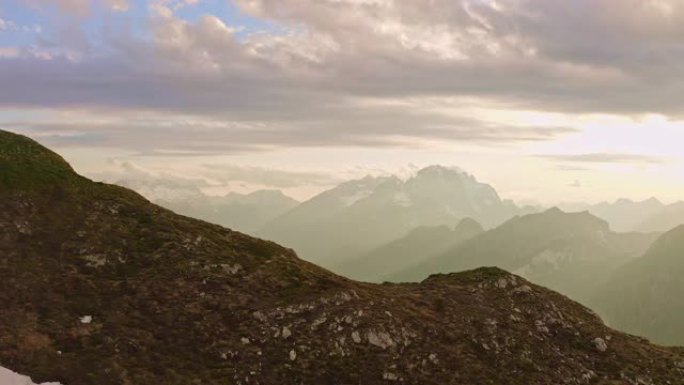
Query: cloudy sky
x,y
547,100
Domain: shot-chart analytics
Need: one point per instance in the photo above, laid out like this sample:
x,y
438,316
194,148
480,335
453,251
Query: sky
x,y
547,100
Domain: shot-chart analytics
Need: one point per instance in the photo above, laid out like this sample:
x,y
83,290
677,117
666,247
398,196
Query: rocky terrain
x,y
99,286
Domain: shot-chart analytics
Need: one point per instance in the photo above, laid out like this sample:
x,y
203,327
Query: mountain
x,y
407,251
361,215
99,286
569,252
664,219
644,296
243,212
623,215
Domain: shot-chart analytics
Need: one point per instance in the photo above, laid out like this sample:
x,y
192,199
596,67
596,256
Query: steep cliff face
x,y
99,286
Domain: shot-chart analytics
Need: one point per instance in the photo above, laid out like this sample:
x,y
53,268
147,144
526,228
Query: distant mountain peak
x,y
469,223
439,170
556,220
627,201
270,193
653,200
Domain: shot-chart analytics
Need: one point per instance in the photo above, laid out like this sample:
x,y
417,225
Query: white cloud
x,y
118,5
605,158
215,177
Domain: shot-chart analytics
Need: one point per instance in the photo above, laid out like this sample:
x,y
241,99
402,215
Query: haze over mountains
x,y
434,196
358,216
569,252
419,244
101,286
627,215
244,212
644,296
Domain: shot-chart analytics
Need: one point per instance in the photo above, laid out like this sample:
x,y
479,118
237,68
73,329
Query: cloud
x,y
73,7
155,183
164,134
565,167
118,5
268,176
152,184
9,52
350,72
80,8
606,158
11,26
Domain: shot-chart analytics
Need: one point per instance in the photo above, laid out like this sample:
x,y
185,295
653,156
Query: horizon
x,y
403,174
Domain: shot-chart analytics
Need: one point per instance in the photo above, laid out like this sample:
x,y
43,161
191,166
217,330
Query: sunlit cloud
x,y
588,84
605,158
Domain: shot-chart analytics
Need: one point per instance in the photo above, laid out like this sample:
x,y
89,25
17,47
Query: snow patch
x,y
8,377
356,196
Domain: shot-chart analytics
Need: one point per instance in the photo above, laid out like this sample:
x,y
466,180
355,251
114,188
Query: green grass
x,y
26,165
481,274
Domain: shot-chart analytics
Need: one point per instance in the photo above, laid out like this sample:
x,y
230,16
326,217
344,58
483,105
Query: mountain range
x,y
243,212
407,251
100,286
569,252
361,215
626,215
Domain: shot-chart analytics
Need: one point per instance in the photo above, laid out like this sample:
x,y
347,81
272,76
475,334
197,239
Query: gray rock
x,y
381,339
356,337
286,332
600,344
